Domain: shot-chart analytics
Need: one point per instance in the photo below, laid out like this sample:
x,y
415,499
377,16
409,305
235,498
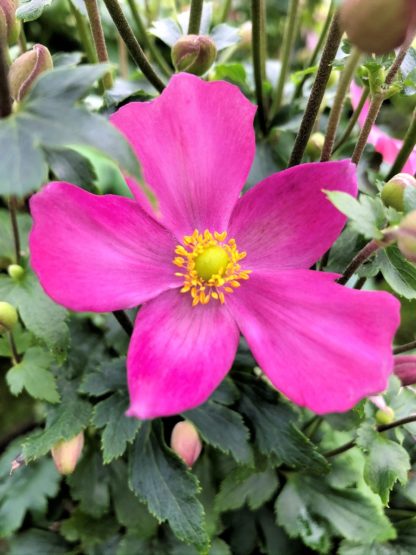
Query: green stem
x,y
147,41
5,98
195,17
317,93
133,46
99,39
13,349
353,119
22,39
406,150
358,260
404,348
15,229
84,35
225,11
340,96
288,40
258,11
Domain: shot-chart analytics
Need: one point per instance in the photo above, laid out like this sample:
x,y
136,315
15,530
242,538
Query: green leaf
x,y
245,485
287,444
88,530
69,165
40,315
33,374
366,213
386,462
64,422
224,429
38,542
159,477
26,490
305,501
108,377
398,272
119,430
31,9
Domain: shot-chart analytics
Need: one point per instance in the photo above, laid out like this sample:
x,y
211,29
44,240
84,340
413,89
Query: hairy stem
x,y
353,119
341,94
406,150
15,229
99,39
133,46
258,14
84,35
13,349
359,259
5,99
404,348
317,93
195,17
124,321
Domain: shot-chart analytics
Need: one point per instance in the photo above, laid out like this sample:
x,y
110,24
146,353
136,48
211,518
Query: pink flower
x,y
215,264
389,148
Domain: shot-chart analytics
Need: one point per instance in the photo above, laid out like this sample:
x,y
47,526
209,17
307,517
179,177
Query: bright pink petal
x,y
196,145
98,253
323,345
178,354
286,221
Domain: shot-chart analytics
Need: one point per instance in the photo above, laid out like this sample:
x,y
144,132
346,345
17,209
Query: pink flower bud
x,y
405,368
392,193
8,317
194,54
9,25
406,236
26,68
66,454
378,26
185,442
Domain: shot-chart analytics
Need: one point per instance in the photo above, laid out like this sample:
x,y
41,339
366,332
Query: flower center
x,y
210,266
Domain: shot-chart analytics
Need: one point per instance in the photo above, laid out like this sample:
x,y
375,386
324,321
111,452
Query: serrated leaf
x,y
30,10
245,485
64,422
108,377
366,213
40,315
287,444
159,478
398,272
90,531
119,430
224,429
38,542
33,374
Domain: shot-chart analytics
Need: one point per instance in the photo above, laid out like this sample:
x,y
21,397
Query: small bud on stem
x,y
194,54
26,68
8,317
392,193
66,454
185,442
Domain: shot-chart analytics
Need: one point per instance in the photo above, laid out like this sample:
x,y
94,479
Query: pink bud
x,y
185,442
405,368
9,25
66,454
26,69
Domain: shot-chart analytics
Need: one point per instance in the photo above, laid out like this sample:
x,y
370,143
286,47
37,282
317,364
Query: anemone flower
x,y
388,147
211,264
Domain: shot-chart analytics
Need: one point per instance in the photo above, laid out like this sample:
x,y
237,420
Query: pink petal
x,y
286,221
323,345
178,354
196,145
98,253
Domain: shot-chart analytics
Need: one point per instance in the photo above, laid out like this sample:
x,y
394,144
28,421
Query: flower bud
x,y
194,54
15,271
406,236
378,26
392,193
315,145
26,68
66,454
9,25
246,33
405,368
8,317
385,416
185,442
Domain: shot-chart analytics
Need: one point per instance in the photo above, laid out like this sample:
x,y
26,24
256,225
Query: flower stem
x,y
359,259
382,428
403,348
353,119
225,11
147,41
318,90
124,321
195,17
406,150
288,40
133,46
258,14
376,104
84,35
22,39
13,349
5,99
341,94
15,229
99,39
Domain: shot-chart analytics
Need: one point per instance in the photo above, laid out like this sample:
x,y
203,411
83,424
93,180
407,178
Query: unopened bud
x,y
406,236
378,26
392,193
26,68
385,416
66,454
315,145
246,33
15,271
194,54
185,442
9,25
405,368
8,317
